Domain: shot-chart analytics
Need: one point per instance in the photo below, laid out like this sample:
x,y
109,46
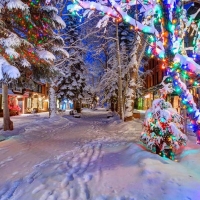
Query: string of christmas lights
x,y
30,20
166,41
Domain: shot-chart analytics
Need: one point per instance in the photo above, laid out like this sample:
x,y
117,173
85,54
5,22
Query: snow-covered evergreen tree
x,y
27,37
28,41
72,83
163,128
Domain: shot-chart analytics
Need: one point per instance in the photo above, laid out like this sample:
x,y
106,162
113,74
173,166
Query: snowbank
x,y
79,159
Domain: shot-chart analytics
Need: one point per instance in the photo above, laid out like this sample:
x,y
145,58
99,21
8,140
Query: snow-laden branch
x,y
188,97
116,12
138,26
119,12
188,63
7,70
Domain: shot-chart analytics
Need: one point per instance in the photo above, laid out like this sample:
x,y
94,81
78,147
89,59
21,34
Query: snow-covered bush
x,y
163,129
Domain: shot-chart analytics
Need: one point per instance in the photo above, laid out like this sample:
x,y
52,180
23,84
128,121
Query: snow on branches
x,y
7,71
163,126
16,4
27,37
115,10
166,23
46,55
167,87
188,63
57,19
119,12
163,129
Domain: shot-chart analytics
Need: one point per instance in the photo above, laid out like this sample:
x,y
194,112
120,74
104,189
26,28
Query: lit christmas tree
x,y
27,42
163,126
27,36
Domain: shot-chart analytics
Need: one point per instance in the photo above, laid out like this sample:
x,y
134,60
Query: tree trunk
x,y
120,100
131,91
78,106
183,113
74,104
112,106
183,110
7,123
52,102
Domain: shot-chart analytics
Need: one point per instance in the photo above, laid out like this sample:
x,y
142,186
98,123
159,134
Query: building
x,y
152,82
36,100
22,101
152,85
64,104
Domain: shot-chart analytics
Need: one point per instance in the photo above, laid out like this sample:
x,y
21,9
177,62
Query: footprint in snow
x,y
38,188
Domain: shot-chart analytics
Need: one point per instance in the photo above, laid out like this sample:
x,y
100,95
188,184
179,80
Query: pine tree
x,y
163,126
28,42
73,82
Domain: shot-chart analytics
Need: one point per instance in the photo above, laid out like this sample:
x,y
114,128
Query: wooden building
x,y
22,101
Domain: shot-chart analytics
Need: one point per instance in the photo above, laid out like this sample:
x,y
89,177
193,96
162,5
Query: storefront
x,y
86,103
21,101
13,105
148,99
35,102
175,101
64,104
139,103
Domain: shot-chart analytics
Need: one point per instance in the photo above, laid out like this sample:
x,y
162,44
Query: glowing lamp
x,y
147,96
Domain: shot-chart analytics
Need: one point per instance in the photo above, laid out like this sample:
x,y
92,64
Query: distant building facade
x,y
152,86
22,101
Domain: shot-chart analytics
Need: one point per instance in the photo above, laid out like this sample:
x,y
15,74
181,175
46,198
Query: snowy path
x,y
68,158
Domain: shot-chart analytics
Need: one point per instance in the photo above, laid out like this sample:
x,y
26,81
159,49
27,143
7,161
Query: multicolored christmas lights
x,y
165,42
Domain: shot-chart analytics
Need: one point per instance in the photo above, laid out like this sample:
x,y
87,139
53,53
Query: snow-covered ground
x,y
91,158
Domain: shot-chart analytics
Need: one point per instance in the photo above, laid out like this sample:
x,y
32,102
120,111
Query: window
x,y
39,88
17,89
35,102
153,80
157,77
28,102
40,103
163,73
1,101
